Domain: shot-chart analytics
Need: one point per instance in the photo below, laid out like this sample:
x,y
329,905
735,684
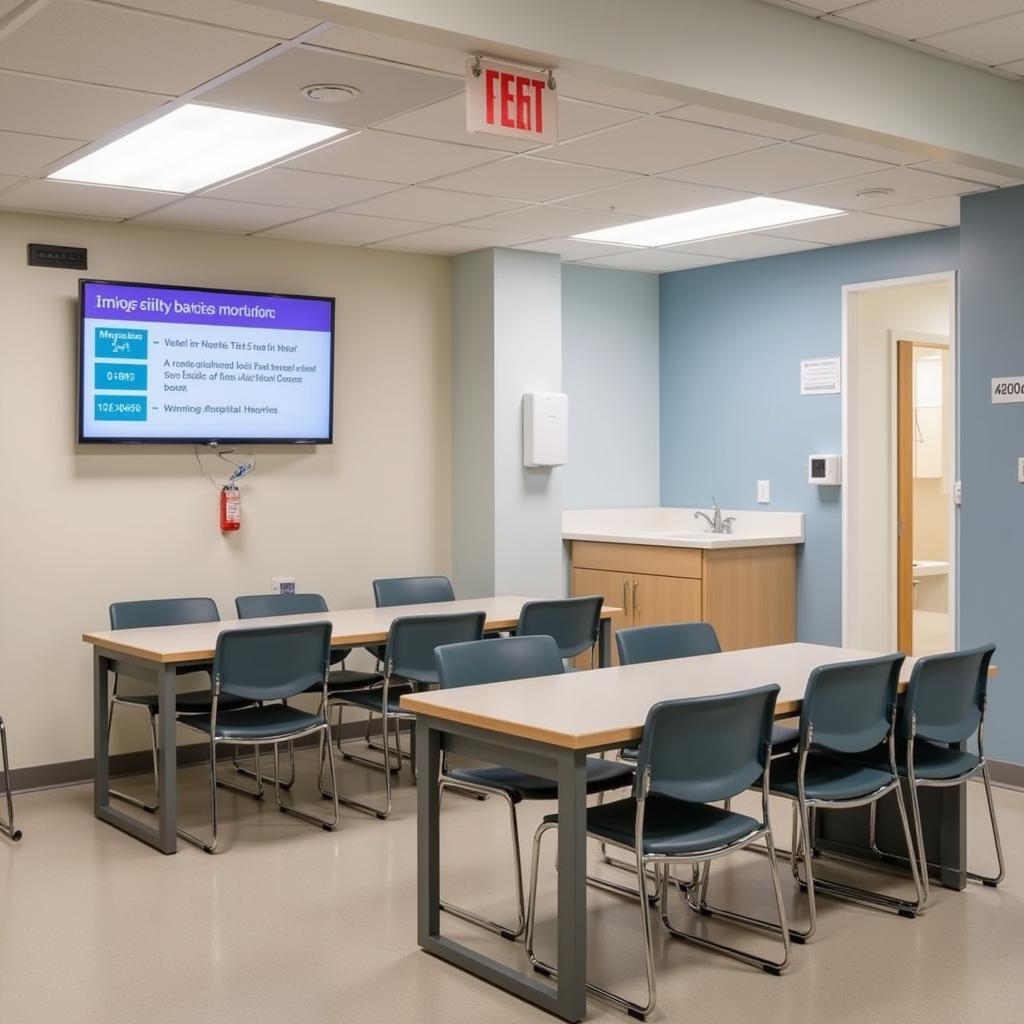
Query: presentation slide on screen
x,y
175,363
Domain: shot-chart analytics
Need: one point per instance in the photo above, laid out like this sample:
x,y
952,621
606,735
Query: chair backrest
x,y
272,662
573,622
166,611
413,639
947,695
258,606
412,590
850,706
497,660
662,643
703,749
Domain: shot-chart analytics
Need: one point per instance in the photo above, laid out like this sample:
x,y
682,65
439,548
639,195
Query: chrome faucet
x,y
717,524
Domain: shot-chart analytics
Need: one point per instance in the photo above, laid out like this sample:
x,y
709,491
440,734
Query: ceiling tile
x,y
551,220
820,6
115,46
775,168
229,14
656,144
282,186
906,185
530,178
81,200
573,248
656,261
445,121
222,215
654,197
612,95
27,155
578,118
274,87
343,229
992,42
70,110
737,122
913,19
432,205
1014,68
383,157
455,239
854,147
951,170
849,228
391,48
8,179
942,212
745,247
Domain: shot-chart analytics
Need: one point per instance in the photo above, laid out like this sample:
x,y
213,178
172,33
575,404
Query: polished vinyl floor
x,y
292,924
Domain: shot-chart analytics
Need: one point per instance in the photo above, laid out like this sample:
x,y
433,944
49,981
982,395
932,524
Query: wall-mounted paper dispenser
x,y
545,428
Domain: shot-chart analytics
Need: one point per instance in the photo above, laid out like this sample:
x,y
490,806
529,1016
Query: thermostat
x,y
824,470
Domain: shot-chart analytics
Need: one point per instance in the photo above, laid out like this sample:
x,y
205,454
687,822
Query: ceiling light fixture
x,y
711,222
330,93
194,146
874,193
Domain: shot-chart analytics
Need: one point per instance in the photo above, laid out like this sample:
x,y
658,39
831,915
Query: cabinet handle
x,y
636,597
625,595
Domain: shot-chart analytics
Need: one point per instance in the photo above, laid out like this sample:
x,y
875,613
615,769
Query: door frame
x,y
851,409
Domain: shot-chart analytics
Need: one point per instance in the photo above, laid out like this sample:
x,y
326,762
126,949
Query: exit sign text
x,y
502,99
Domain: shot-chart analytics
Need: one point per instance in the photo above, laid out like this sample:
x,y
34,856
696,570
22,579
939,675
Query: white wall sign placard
x,y
1007,389
503,99
820,376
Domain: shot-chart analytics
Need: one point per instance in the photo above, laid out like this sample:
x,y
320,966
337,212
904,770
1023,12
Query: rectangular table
x,y
548,726
156,653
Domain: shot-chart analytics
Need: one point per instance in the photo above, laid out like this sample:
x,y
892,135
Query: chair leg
x,y
7,827
370,762
211,846
154,805
991,880
249,773
380,812
327,826
506,932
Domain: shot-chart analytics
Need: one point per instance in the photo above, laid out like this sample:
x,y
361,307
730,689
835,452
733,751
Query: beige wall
x,y
81,526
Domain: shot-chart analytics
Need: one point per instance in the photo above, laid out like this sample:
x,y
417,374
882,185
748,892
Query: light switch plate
x,y
1020,470
284,585
764,492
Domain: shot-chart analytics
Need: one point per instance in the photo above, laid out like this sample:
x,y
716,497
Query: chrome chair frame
x,y
323,728
7,827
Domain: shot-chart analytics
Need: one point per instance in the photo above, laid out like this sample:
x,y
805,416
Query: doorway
x,y
897,498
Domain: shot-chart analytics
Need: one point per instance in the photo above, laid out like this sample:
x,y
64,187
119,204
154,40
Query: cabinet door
x,y
661,599
616,588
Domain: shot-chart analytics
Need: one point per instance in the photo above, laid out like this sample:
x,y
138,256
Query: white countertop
x,y
677,527
929,567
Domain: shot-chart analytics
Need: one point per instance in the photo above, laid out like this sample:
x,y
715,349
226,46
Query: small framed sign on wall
x,y
820,376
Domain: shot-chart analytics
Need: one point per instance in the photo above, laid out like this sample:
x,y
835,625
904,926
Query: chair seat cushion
x,y
629,753
932,761
602,774
784,737
827,778
373,699
259,723
193,702
672,828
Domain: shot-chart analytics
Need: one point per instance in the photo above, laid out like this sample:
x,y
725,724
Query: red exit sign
x,y
502,99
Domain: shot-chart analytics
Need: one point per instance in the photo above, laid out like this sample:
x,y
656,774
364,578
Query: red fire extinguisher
x,y
230,508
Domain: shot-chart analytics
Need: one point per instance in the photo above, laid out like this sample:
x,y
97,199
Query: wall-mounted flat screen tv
x,y
163,364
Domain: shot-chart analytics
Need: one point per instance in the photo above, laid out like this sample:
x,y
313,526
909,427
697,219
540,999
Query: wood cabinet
x,y
747,594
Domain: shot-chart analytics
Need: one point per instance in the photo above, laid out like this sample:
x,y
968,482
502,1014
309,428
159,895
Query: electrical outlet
x,y
764,492
284,585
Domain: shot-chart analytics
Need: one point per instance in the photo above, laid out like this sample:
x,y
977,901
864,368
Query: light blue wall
x,y
732,337
610,357
991,440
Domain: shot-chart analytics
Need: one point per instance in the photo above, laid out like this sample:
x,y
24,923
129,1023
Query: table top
x,y
607,707
349,628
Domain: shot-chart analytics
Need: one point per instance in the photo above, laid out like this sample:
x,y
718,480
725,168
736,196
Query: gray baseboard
x,y
1006,774
75,773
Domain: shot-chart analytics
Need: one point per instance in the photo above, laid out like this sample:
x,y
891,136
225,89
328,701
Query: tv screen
x,y
164,364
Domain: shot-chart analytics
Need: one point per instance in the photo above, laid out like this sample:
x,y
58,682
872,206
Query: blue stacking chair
x,y
694,753
573,622
7,827
944,708
408,664
170,611
497,660
259,606
266,666
849,710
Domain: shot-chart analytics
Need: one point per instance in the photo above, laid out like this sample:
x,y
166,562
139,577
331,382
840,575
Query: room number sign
x,y
1007,389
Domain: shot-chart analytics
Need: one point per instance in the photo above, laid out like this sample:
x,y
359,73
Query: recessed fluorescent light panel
x,y
194,146
711,222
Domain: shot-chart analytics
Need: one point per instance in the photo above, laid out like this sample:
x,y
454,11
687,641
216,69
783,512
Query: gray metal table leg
x,y
428,838
101,756
572,885
168,760
604,644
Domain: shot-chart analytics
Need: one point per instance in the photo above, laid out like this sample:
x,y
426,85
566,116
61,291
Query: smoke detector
x,y
329,93
874,193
